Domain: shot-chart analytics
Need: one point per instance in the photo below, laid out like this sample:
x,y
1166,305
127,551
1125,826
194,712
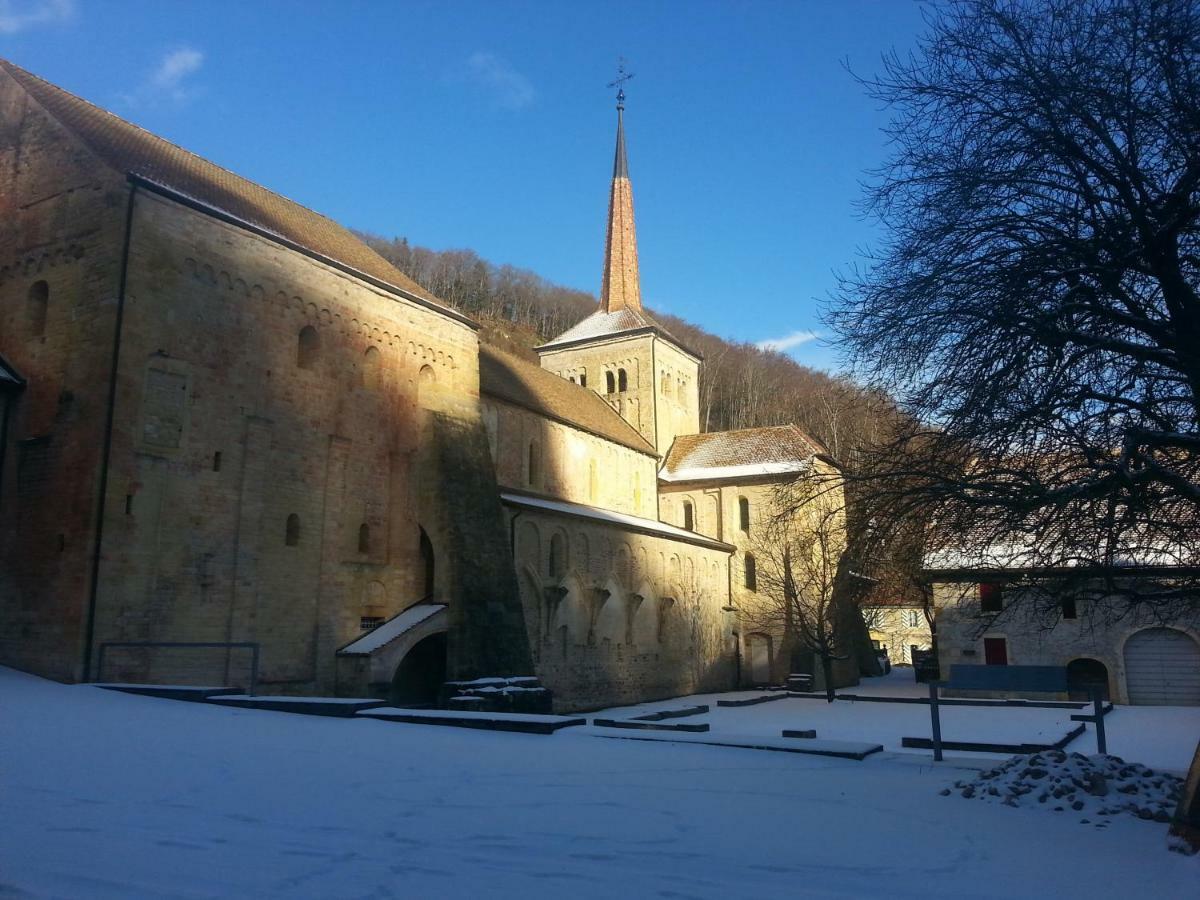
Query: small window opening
x,y
291,535
364,538
217,461
1069,609
991,598
129,504
744,514
622,380
583,379
689,516
751,573
39,300
371,364
558,556
531,473
308,346
610,382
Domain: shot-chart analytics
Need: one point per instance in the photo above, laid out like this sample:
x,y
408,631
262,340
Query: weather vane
x,y
619,82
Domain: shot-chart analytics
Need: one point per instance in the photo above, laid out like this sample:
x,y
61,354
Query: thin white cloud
x,y
508,87
788,341
171,79
20,15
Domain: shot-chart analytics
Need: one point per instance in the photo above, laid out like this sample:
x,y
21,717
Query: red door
x,y
995,651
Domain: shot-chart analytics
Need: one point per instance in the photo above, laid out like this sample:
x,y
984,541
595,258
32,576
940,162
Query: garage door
x,y
1162,667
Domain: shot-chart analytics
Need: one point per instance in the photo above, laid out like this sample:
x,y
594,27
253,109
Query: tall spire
x,y
620,288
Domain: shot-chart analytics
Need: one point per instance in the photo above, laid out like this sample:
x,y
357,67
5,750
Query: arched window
x,y
751,573
532,469
427,562
364,538
426,382
291,534
610,382
583,379
622,380
371,363
308,346
558,556
689,516
744,514
35,308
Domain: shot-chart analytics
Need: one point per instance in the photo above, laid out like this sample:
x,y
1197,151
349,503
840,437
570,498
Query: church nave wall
x,y
619,617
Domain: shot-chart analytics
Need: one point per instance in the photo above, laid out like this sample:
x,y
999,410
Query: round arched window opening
x,y
308,347
36,305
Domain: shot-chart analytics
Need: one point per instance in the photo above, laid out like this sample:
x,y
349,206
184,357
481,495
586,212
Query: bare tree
x,y
799,551
1036,301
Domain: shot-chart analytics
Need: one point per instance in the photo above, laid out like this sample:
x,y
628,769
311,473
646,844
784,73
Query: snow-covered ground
x,y
113,795
1157,736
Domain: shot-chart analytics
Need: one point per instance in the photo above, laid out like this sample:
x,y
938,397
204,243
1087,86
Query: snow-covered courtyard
x,y
112,795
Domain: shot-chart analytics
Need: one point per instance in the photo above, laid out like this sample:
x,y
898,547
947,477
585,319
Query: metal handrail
x,y
253,646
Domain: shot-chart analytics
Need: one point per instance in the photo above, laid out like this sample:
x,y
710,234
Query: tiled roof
x,y
133,151
610,324
734,454
510,378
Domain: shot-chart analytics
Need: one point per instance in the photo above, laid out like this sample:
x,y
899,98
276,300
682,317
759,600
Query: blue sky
x,y
490,126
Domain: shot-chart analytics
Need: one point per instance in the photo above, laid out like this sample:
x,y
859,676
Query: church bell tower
x,y
620,351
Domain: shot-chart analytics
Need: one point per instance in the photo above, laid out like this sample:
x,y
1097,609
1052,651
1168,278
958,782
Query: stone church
x,y
229,427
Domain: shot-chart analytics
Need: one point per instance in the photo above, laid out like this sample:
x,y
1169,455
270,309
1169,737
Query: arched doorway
x,y
1083,675
1162,668
427,562
421,673
758,648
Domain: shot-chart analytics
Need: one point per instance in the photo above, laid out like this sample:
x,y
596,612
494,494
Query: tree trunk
x,y
827,671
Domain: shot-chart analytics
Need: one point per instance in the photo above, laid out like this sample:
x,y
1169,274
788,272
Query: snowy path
x,y
114,795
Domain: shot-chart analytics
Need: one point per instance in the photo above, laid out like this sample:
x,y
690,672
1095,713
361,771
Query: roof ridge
x,y
17,72
127,148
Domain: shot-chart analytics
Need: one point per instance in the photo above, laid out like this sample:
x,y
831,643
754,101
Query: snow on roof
x,y
602,324
748,452
646,526
1015,556
749,470
392,629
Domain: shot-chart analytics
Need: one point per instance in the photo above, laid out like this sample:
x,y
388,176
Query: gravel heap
x,y
1098,786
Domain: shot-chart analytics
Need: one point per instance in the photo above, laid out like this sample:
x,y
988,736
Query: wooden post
x,y
936,721
1098,712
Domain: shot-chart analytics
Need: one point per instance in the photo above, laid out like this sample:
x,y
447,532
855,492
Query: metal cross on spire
x,y
619,82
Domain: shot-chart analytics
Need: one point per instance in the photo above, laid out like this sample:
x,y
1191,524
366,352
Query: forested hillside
x,y
741,386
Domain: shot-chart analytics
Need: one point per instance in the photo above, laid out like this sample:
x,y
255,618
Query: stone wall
x,y
618,617
267,482
717,512
1099,630
677,399
62,222
661,396
571,464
